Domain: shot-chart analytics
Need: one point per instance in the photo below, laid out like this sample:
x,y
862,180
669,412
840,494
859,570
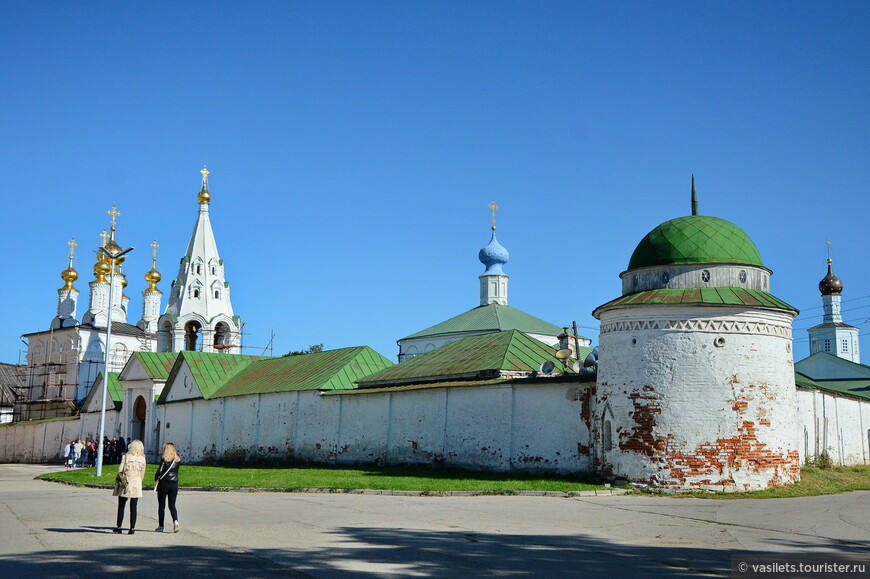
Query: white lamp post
x,y
112,255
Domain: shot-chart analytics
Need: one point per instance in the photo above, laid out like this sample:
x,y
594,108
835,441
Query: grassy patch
x,y
814,481
289,479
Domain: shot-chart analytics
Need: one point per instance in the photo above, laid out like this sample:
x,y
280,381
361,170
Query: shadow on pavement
x,y
366,551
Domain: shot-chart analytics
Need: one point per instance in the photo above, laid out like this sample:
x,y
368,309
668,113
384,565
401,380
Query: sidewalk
x,y
54,530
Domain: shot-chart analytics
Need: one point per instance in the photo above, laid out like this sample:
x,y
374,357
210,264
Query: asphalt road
x,y
54,530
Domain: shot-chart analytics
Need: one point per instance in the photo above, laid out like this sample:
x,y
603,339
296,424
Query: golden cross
x,y
204,176
72,247
828,243
114,213
105,236
154,247
494,207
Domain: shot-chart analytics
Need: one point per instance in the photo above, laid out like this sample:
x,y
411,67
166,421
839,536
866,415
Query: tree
x,y
312,349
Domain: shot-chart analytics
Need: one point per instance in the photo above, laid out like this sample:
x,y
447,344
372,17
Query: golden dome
x,y
69,275
204,196
102,269
152,277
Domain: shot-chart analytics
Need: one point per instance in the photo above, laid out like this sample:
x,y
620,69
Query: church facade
x,y
63,362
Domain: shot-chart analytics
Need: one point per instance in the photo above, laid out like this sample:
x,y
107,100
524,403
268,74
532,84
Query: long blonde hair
x,y
170,453
136,448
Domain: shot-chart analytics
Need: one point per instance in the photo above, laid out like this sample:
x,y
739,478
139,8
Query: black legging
x,y
166,489
122,501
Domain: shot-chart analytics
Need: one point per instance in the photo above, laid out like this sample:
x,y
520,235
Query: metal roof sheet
x,y
327,370
695,239
157,365
701,296
512,350
489,318
858,387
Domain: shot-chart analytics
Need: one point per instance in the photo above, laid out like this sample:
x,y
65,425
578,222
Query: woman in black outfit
x,y
167,485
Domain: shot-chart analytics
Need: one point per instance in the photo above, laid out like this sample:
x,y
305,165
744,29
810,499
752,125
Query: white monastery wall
x,y
838,425
711,406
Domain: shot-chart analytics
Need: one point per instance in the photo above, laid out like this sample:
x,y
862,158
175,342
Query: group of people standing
x,y
132,470
78,453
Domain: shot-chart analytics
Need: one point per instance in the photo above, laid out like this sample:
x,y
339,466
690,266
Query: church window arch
x,y
191,335
429,348
221,335
217,294
195,292
607,435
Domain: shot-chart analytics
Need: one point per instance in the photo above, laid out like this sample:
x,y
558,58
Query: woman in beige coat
x,y
133,466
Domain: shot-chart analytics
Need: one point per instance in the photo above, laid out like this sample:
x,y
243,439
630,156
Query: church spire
x,y
833,335
694,197
199,314
493,282
151,295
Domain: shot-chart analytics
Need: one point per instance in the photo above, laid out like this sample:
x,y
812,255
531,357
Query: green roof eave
x,y
489,318
482,356
714,296
328,370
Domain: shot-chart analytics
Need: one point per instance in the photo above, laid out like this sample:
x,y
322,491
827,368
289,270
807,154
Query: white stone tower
x,y
833,335
151,296
695,372
199,315
67,296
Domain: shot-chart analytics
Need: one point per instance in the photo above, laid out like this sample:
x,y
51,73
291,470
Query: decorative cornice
x,y
694,325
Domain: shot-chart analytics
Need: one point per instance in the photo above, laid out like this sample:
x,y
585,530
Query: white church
x,y
693,383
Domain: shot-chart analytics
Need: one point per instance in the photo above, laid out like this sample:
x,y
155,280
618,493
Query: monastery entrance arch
x,y
138,427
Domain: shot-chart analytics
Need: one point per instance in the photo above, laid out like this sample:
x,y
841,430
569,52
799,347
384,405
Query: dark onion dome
x,y
830,284
696,239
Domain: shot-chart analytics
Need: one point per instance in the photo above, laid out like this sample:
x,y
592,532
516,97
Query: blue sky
x,y
354,148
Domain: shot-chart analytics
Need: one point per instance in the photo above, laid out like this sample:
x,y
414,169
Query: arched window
x,y
196,293
191,332
221,337
607,435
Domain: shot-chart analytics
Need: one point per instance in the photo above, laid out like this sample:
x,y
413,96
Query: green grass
x,y
338,478
814,481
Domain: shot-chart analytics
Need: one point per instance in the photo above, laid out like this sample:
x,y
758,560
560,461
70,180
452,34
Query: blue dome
x,y
493,256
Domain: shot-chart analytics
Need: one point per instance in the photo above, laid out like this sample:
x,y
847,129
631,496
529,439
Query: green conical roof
x,y
695,239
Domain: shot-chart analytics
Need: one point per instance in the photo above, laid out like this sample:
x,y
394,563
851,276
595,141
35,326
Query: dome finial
x,y
694,197
69,275
153,276
830,284
204,196
494,208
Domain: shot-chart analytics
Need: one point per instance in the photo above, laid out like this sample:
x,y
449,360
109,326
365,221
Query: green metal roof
x,y
211,370
489,318
695,239
858,387
702,296
114,388
157,365
470,356
328,370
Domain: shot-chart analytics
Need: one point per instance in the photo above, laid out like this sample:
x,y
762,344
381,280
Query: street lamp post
x,y
112,255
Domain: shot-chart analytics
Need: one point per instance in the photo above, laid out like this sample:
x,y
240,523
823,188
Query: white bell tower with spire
x,y
199,315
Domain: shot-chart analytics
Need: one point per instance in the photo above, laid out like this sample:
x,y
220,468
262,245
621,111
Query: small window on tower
x,y
827,345
705,275
742,276
196,293
212,270
217,295
844,345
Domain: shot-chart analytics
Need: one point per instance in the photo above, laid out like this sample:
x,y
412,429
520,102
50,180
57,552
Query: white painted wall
x,y
839,425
